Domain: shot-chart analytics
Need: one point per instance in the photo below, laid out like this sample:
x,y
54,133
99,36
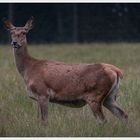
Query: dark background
x,y
75,22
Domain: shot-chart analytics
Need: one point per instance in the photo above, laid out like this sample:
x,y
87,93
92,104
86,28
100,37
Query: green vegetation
x,y
18,112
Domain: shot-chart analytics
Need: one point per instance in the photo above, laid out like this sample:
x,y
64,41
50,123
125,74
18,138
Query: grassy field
x,y
18,112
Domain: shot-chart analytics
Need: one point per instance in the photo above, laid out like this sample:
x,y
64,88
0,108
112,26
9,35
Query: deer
x,y
72,85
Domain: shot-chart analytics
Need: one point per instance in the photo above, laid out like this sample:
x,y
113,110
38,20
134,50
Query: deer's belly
x,y
70,103
66,100
55,98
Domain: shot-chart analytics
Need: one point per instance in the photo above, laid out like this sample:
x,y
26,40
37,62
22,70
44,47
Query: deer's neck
x,y
22,59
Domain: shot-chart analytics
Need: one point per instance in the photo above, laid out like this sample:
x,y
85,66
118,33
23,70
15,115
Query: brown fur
x,y
73,85
119,72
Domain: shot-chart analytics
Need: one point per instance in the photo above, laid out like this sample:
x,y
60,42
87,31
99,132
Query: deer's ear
x,y
29,23
7,24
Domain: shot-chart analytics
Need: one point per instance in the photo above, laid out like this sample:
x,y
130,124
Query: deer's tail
x,y
119,72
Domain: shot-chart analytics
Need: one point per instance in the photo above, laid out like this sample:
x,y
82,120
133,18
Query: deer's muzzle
x,y
15,44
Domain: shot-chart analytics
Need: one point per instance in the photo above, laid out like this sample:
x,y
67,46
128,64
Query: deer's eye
x,y
24,33
11,32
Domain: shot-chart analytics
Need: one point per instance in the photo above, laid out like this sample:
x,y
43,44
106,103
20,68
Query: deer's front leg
x,y
43,108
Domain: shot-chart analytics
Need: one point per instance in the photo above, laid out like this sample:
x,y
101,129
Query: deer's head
x,y
18,34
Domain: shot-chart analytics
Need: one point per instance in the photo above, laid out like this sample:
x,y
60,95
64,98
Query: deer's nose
x,y
13,43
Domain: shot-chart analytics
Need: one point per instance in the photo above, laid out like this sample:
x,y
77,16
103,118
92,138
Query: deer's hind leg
x,y
111,104
96,107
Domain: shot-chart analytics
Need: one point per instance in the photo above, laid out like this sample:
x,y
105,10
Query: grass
x,y
18,112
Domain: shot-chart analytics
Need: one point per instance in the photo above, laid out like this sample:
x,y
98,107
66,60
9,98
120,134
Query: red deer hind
x,y
73,85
